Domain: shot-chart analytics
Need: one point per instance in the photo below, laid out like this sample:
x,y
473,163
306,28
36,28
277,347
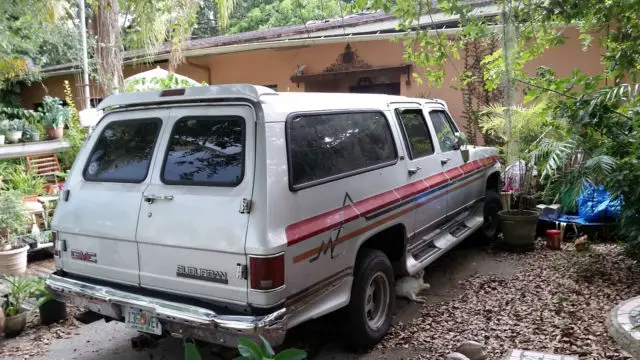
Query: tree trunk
x,y
109,47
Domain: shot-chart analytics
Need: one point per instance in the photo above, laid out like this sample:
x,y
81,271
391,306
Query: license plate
x,y
142,321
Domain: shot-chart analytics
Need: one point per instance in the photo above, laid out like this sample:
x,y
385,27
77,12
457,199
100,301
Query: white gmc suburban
x,y
226,211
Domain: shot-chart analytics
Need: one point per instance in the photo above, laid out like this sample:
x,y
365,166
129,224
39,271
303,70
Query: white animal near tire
x,y
410,286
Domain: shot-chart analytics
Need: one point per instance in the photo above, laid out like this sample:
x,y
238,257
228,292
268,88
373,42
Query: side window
x,y
444,130
416,134
123,151
207,151
325,146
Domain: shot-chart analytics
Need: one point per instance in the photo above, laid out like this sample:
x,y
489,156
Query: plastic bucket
x,y
553,239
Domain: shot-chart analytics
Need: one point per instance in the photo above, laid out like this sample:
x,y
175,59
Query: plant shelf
x,y
10,151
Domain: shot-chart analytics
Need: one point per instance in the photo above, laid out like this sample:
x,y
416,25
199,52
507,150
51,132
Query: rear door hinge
x,y
245,208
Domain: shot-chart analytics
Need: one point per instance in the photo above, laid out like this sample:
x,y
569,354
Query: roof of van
x,y
300,100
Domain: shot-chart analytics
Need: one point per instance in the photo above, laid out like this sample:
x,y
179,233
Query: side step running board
x,y
439,241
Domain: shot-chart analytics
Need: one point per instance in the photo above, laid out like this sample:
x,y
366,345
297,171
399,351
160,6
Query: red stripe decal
x,y
318,224
324,222
375,203
436,180
468,167
454,173
415,188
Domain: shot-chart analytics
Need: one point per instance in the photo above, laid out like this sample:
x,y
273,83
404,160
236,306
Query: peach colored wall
x,y
276,66
53,86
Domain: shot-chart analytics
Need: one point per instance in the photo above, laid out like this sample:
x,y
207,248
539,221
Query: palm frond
x,y
552,154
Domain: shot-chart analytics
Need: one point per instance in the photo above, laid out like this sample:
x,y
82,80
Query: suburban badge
x,y
192,272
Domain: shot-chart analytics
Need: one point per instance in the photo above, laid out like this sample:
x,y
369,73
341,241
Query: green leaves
x,y
291,354
251,351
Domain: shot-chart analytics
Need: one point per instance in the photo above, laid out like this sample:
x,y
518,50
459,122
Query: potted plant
x,y
519,225
28,185
4,126
54,115
31,133
51,310
20,289
14,130
13,258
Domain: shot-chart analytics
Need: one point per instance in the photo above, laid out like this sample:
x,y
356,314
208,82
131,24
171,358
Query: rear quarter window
x,y
123,151
327,147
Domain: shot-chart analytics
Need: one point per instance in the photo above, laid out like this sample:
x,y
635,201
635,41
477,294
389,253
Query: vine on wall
x,y
474,91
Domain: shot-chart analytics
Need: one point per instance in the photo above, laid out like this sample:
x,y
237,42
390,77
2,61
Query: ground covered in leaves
x,y
34,340
556,301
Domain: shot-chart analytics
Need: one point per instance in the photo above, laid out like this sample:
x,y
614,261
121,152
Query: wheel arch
x,y
392,241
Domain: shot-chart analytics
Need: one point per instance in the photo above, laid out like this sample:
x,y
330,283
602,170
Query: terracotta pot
x,y
13,325
55,133
14,262
30,198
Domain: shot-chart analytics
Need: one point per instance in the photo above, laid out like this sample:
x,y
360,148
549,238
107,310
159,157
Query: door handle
x,y
151,198
444,161
413,171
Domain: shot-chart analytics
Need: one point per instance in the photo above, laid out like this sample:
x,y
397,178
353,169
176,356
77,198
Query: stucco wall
x,y
276,66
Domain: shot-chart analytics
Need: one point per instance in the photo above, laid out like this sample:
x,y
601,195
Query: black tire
x,y
491,226
371,266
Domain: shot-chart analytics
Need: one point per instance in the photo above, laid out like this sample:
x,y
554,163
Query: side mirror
x,y
461,140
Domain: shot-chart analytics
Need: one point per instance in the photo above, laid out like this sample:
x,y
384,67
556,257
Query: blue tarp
x,y
595,207
596,204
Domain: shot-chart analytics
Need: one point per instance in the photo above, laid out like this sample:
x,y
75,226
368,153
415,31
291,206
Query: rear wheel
x,y
373,295
491,225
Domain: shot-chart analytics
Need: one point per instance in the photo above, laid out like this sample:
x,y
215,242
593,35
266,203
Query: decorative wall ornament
x,y
348,60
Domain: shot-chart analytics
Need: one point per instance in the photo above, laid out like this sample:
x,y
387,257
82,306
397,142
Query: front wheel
x,y
491,225
372,302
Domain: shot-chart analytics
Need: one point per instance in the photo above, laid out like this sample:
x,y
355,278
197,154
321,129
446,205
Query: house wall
x,y
276,66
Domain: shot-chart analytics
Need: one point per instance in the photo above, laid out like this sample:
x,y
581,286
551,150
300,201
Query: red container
x,y
553,239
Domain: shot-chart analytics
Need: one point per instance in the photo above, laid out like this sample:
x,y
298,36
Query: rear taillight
x,y
266,272
54,239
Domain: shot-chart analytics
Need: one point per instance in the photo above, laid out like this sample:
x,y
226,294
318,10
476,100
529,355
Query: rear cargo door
x,y
97,216
191,230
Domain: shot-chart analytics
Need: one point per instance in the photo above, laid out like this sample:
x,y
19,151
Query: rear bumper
x,y
179,320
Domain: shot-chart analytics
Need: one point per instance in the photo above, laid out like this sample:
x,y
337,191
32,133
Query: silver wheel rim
x,y
376,302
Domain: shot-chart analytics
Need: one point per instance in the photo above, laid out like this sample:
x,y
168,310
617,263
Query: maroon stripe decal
x,y
454,173
413,189
375,203
308,228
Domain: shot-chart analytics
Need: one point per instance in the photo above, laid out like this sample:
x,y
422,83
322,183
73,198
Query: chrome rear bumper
x,y
178,319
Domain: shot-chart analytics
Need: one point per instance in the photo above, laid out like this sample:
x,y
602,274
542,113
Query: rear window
x,y
123,151
325,147
206,151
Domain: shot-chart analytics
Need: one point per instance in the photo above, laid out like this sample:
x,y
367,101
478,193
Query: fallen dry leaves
x,y
33,341
556,301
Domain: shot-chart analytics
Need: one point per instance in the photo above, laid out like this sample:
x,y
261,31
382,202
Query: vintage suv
x,y
225,211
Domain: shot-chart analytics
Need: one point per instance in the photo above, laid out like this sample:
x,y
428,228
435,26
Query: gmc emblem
x,y
84,256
